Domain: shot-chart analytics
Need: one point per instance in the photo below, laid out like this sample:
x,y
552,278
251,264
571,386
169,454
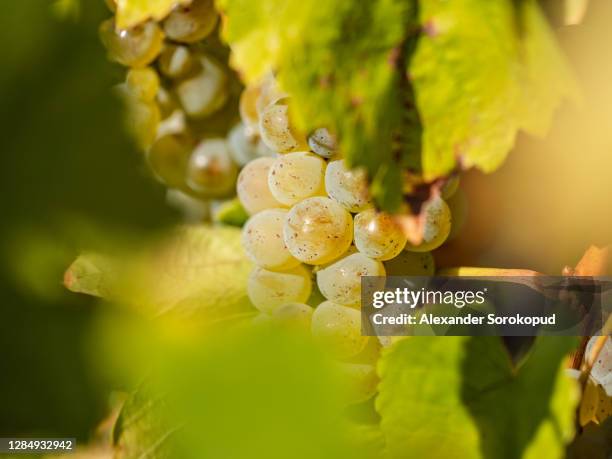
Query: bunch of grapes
x,y
182,104
314,231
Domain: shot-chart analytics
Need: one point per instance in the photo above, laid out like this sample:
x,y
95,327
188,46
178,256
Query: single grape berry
x,y
262,239
318,230
211,171
323,143
436,227
348,187
191,23
135,47
296,176
377,235
338,329
168,157
340,281
175,61
206,91
268,290
252,187
143,83
277,131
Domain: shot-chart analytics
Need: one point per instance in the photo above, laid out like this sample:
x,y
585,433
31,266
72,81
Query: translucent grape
x,y
269,93
175,61
297,176
168,157
252,186
206,91
243,147
192,22
436,227
262,239
143,83
276,130
142,121
377,235
318,230
411,264
348,187
338,328
248,108
268,290
211,171
458,205
294,315
360,381
340,282
323,143
167,102
136,47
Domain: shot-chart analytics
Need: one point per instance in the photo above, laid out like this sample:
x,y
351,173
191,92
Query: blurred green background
x,y
70,180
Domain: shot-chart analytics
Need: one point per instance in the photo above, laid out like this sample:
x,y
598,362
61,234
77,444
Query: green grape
x,y
269,94
175,61
210,170
338,329
206,91
293,315
348,187
297,176
268,290
248,108
143,83
411,264
436,228
167,102
340,282
172,124
136,47
262,239
168,158
318,230
378,235
192,22
360,381
243,148
450,187
458,205
252,186
142,121
276,129
323,143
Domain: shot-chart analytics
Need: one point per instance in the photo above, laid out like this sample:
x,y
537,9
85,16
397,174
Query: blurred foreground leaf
x,y
461,397
241,394
196,269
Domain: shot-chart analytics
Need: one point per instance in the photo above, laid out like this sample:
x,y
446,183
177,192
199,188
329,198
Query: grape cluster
x,y
182,103
313,232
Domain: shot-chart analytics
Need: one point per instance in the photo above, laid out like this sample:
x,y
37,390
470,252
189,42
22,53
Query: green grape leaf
x,y
454,94
272,390
461,397
133,12
481,72
196,267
